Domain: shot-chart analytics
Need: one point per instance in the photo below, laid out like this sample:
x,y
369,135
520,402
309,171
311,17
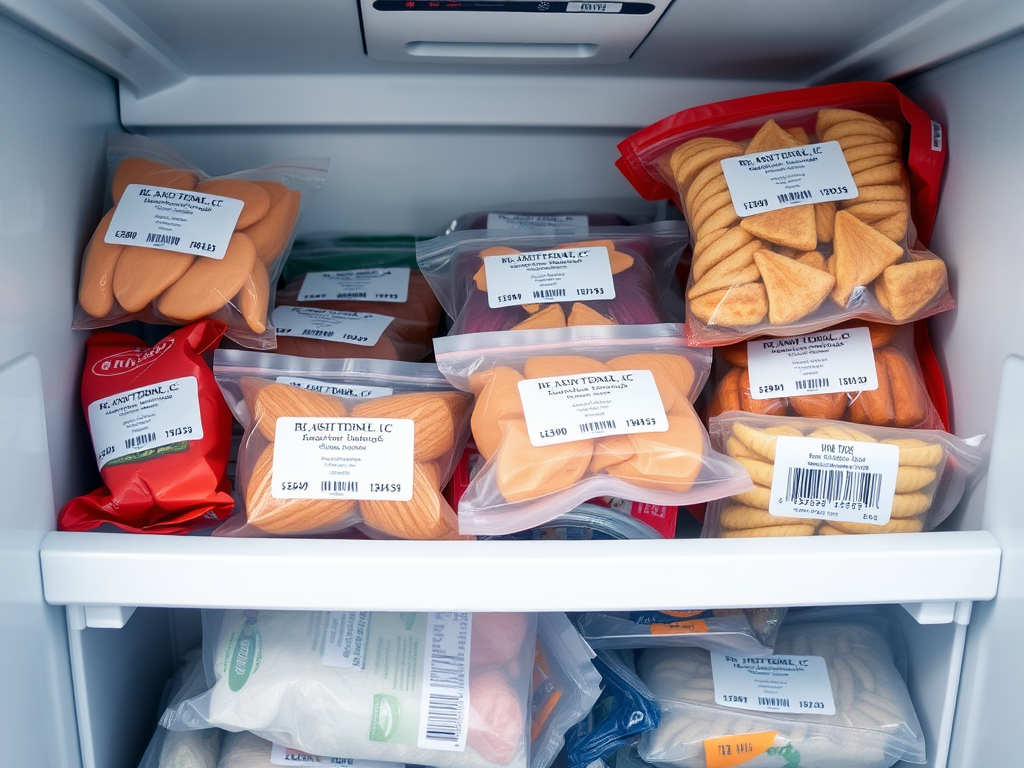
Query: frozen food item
x,y
818,477
750,630
862,372
493,281
566,685
246,750
176,246
832,694
401,687
804,208
325,314
564,415
331,444
626,709
556,217
161,433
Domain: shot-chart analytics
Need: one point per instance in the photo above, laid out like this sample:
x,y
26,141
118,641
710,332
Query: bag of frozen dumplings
x,y
563,415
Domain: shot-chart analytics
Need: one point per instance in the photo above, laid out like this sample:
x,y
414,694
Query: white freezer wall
x,y
54,114
981,100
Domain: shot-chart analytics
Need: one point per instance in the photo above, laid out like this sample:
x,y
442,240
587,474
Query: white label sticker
x,y
564,409
815,364
795,684
344,640
135,425
363,329
281,755
825,479
343,459
360,391
936,137
444,712
593,7
782,178
390,285
546,277
552,225
174,220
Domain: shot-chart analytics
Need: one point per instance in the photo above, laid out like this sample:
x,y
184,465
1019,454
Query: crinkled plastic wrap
x,y
874,724
901,398
840,497
626,709
636,264
750,630
777,264
353,684
565,686
347,410
158,278
565,415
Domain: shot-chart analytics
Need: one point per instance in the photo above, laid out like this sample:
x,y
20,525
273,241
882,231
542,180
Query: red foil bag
x,y
161,434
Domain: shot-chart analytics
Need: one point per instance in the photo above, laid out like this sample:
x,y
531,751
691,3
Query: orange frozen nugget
x,y
209,284
668,461
525,471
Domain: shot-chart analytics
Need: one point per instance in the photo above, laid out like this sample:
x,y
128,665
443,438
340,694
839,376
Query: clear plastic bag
x,y
818,477
899,399
626,709
360,684
556,217
174,250
357,276
848,659
489,281
806,208
329,444
750,630
568,414
565,686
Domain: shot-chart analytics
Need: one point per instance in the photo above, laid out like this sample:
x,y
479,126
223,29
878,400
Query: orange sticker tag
x,y
727,751
679,627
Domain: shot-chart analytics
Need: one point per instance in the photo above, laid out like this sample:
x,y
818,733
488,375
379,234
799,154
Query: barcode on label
x,y
158,238
351,295
318,333
597,426
834,485
140,440
811,383
339,486
792,197
769,701
549,293
936,137
444,716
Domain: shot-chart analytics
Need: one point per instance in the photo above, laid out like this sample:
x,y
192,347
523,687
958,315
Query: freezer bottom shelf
x,y
119,676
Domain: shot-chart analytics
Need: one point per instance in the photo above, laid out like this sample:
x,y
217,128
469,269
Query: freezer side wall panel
x,y
54,114
980,98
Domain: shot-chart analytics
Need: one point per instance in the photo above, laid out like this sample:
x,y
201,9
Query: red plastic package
x,y
161,433
806,208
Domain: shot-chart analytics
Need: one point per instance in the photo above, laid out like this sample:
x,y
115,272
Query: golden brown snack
x,y
268,402
552,316
426,516
271,233
437,417
794,289
255,199
142,274
209,284
96,288
254,297
526,471
668,460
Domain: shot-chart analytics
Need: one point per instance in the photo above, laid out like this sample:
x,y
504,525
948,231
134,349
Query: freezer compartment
x,y
119,677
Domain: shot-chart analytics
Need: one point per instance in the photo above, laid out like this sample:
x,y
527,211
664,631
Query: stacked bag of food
x,y
809,211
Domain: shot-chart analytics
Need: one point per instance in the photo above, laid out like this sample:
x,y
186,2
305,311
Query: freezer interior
x,y
507,116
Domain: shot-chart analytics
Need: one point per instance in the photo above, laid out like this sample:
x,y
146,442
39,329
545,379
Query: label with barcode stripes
x,y
181,220
341,459
779,683
545,277
389,284
826,362
564,409
363,329
782,178
936,137
444,714
834,480
134,425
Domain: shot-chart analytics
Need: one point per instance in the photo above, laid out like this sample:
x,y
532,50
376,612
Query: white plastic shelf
x,y
108,569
